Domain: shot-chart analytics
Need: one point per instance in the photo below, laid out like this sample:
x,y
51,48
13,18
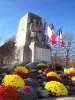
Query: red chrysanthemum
x,y
19,73
8,93
71,74
46,70
52,78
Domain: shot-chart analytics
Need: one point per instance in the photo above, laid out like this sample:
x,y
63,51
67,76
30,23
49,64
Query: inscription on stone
x,y
42,54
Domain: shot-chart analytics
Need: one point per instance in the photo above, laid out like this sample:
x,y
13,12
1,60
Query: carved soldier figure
x,y
33,29
36,28
40,31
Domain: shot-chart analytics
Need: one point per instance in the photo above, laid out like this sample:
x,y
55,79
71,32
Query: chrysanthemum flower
x,y
20,73
52,78
53,74
68,70
56,88
21,68
46,70
71,74
13,80
8,93
73,78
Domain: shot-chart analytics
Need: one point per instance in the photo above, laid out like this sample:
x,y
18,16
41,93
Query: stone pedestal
x,y
40,52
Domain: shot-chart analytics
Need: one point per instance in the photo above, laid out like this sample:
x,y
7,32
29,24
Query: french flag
x,y
60,38
51,35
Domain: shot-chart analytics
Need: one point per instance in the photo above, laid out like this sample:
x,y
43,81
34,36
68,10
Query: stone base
x,y
40,52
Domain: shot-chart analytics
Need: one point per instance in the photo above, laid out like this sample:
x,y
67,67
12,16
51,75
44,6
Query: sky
x,y
59,12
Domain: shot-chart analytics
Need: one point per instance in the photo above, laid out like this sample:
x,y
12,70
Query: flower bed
x,y
42,81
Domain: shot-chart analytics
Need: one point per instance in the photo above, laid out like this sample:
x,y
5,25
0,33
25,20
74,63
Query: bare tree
x,y
69,48
57,55
65,55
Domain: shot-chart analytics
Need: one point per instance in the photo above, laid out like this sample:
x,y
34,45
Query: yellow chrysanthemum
x,y
73,78
13,80
54,74
68,70
56,88
21,68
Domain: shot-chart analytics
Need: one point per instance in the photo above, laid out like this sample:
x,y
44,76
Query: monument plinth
x,y
40,52
29,40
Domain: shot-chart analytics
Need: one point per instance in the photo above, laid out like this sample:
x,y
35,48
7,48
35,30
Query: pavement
x,y
60,98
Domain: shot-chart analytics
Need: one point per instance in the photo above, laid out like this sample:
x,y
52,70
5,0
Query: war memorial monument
x,y
29,40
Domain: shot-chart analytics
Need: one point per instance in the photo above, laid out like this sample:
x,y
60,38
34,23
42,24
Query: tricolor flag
x,y
60,39
51,34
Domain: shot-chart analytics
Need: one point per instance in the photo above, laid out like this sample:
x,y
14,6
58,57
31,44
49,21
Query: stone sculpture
x,y
36,30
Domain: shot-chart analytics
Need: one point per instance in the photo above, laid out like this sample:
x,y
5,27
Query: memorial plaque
x,y
42,54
